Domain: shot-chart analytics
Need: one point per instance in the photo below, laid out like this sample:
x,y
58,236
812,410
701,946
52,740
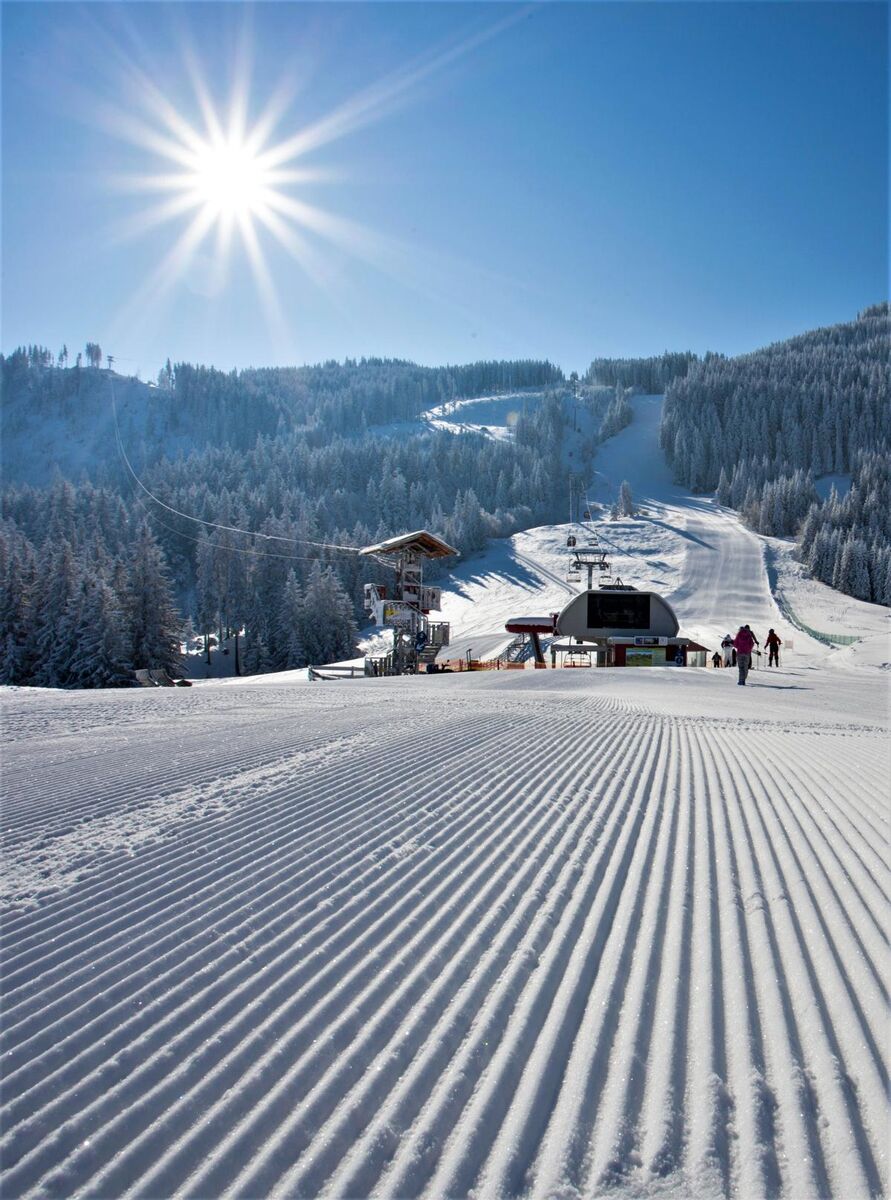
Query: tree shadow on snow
x,y
515,573
682,533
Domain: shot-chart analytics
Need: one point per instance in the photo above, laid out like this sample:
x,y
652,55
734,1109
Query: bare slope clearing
x,y
531,933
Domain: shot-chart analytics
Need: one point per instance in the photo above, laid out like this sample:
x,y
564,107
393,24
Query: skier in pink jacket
x,y
744,643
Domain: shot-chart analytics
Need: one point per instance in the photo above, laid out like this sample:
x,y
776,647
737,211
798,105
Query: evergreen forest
x,y
211,501
759,429
287,479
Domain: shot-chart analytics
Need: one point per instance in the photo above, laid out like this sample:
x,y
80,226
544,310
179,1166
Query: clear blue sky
x,y
561,180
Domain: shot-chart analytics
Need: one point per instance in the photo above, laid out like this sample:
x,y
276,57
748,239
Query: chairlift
x,y
587,514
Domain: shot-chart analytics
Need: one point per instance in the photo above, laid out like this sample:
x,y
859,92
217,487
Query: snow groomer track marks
x,y
533,940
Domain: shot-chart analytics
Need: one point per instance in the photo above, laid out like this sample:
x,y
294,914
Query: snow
x,y
540,933
493,416
544,932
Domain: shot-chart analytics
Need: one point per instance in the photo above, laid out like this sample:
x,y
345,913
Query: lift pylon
x,y
588,555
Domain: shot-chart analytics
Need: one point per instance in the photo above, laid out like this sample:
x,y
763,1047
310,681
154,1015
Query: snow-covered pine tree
x,y
329,627
626,499
291,621
854,568
58,578
17,585
98,635
154,623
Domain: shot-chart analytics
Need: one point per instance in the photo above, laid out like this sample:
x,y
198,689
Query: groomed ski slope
x,y
540,933
551,934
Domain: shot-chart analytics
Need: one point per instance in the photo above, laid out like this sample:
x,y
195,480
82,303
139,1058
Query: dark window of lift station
x,y
621,610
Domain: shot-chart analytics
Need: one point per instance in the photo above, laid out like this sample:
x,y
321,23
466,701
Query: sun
x,y
226,180
234,181
229,178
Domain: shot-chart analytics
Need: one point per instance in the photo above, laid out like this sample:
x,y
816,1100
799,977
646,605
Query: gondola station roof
x,y
421,542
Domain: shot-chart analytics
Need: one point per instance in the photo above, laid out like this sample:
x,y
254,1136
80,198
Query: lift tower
x,y
588,556
406,605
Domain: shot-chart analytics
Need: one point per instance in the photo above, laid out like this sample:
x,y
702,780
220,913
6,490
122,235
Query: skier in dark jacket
x,y
773,643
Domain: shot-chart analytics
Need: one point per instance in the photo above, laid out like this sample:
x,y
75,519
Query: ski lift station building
x,y
614,625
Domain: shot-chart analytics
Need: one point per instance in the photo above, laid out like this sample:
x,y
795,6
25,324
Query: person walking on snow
x,y
752,662
773,643
727,650
717,661
744,642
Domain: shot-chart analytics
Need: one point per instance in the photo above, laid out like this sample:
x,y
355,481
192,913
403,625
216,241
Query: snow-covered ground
x,y
495,415
561,934
547,933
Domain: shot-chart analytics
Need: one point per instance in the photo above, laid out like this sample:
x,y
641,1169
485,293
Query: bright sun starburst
x,y
225,177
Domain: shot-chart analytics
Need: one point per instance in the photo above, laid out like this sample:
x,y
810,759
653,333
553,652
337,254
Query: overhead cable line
x,y
221,545
269,537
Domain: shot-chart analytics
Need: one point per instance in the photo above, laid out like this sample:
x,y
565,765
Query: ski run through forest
x,y
553,934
